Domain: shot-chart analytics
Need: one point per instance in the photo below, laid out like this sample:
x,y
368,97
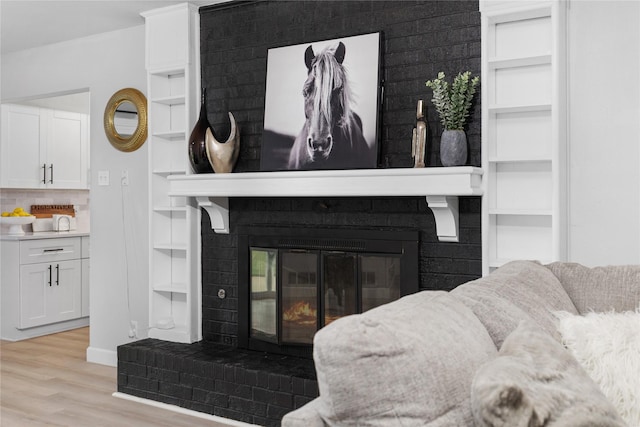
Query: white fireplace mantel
x,y
441,186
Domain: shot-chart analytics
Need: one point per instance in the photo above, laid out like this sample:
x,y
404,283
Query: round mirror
x,y
125,119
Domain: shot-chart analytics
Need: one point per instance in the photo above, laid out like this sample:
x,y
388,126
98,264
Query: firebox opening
x,y
294,281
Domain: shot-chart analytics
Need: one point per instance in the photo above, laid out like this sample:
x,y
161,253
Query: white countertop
x,y
45,235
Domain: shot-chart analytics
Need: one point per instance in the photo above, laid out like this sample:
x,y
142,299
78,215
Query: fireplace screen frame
x,y
402,244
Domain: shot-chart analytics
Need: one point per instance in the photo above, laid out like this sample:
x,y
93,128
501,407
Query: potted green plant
x,y
452,102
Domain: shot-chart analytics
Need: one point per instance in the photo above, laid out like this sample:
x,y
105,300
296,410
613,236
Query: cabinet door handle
x,y
54,250
50,275
44,173
57,274
51,174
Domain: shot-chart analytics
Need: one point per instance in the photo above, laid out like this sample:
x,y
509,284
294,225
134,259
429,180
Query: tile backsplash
x,y
12,198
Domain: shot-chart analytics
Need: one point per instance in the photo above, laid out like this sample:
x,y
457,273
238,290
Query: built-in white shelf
x,y
496,263
175,334
178,288
170,209
528,212
168,73
518,108
170,100
171,134
167,246
518,159
524,61
440,186
167,172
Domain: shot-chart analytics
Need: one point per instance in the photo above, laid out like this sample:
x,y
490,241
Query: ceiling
x,y
26,24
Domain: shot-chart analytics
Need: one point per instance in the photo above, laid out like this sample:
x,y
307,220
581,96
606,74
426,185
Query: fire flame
x,y
300,312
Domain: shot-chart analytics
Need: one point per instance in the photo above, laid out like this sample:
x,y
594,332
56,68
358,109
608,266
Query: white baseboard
x,y
102,357
180,410
14,334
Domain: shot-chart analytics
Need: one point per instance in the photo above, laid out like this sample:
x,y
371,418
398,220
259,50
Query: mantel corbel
x,y
218,210
445,211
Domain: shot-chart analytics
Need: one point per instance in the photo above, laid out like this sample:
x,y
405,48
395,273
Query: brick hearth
x,y
249,386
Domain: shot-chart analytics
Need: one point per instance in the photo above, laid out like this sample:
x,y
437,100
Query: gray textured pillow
x,y
407,363
534,382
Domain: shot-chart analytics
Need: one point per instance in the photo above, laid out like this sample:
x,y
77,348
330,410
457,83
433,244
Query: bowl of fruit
x,y
15,220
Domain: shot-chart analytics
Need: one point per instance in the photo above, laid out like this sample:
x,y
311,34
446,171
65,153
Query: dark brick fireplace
x,y
215,376
420,38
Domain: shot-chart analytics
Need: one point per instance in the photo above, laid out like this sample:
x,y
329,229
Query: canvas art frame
x,y
322,105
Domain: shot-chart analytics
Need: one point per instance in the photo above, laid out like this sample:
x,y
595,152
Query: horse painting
x,y
331,137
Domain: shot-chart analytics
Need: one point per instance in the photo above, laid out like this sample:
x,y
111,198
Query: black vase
x,y
197,145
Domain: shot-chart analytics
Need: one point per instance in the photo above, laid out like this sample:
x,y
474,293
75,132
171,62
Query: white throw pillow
x,y
607,345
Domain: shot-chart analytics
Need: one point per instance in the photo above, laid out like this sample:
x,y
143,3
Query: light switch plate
x,y
103,177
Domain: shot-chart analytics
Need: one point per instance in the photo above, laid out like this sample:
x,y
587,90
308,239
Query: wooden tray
x,y
47,211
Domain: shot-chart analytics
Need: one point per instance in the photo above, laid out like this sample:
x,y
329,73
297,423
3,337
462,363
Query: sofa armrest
x,y
305,416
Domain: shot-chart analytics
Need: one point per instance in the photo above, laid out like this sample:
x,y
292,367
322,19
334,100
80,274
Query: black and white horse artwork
x,y
331,137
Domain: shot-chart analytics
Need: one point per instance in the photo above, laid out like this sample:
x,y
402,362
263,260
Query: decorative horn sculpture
x,y
223,155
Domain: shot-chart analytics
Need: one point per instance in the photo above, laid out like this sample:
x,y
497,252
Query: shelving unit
x,y
172,78
524,131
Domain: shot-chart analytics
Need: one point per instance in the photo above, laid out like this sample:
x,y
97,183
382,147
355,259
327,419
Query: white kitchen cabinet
x,y
50,292
67,149
43,148
523,131
42,286
172,58
23,129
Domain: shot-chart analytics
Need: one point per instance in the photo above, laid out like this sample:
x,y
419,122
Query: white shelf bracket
x,y
218,210
445,211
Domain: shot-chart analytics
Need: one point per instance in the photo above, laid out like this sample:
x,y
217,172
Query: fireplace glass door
x,y
264,294
380,280
299,296
295,292
339,285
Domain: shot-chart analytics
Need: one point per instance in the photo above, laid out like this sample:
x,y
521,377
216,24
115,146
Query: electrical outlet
x,y
124,178
133,329
103,177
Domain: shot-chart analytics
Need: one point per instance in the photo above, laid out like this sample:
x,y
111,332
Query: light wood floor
x,y
46,381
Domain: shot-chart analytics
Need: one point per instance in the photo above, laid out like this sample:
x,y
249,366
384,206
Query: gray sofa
x,y
413,362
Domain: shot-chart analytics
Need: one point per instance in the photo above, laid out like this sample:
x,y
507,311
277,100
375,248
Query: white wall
x,y
104,63
604,130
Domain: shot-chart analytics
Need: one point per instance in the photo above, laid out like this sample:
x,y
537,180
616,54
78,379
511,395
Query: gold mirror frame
x,y
139,136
